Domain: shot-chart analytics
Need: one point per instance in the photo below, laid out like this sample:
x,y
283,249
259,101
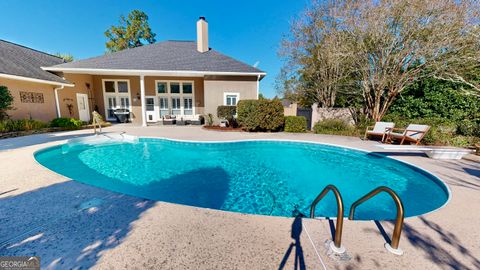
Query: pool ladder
x,y
336,245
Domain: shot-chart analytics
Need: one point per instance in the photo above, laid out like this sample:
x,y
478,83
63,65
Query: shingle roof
x,y
25,62
164,56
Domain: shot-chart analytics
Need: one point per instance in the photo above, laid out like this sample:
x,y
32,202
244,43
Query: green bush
x,y
295,124
21,125
260,115
67,123
227,112
469,128
6,101
431,98
335,127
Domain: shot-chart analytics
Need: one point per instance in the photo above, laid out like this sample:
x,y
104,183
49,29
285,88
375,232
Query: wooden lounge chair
x,y
379,130
413,133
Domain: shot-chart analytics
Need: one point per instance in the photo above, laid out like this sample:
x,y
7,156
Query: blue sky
x,y
247,30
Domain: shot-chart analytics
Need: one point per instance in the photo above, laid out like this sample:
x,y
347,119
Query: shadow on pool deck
x,y
24,141
70,224
299,259
433,249
67,224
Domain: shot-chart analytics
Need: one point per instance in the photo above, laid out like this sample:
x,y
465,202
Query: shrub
x,y
334,127
209,118
295,124
6,101
469,128
260,115
227,112
21,125
67,123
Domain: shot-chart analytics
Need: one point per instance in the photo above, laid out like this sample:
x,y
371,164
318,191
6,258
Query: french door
x,y
114,102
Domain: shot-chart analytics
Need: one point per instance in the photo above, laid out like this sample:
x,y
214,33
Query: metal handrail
x,y
339,227
400,211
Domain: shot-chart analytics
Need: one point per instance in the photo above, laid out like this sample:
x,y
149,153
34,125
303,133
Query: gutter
x,y
27,79
139,72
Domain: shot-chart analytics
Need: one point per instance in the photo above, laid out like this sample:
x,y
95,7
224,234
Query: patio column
x,y
142,100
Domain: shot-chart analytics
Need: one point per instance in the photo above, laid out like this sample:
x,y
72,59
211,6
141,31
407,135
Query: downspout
x,y
258,85
57,102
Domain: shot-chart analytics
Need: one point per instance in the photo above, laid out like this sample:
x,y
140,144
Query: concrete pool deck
x,y
72,225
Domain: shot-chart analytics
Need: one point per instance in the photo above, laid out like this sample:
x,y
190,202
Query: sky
x,y
246,30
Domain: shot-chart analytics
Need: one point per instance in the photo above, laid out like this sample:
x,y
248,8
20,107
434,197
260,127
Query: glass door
x,y
111,106
151,109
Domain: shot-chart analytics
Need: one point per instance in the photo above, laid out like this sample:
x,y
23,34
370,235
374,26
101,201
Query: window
x,y
162,87
231,99
187,106
122,87
175,88
150,104
109,86
175,97
187,88
163,101
117,96
176,109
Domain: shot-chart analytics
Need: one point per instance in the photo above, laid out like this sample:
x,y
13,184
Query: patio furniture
x,y
122,115
168,120
181,122
195,119
413,133
379,130
434,152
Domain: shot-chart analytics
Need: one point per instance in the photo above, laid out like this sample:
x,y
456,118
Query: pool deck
x,y
72,225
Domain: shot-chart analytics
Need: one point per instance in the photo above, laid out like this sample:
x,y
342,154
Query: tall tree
x,y
133,31
388,45
316,56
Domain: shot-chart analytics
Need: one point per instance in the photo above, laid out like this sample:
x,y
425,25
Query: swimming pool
x,y
255,177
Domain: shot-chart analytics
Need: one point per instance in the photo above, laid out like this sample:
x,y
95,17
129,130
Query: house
x,y
180,78
32,88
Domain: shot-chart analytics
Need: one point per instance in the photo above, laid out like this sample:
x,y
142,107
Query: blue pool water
x,y
256,177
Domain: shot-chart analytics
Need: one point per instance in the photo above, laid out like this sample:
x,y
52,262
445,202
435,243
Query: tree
x,y
388,45
133,31
6,101
316,57
65,56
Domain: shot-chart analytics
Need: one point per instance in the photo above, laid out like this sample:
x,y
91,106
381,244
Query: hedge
x,y
296,124
67,123
227,112
260,115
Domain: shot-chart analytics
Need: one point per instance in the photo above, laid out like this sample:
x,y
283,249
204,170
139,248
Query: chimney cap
x,y
202,18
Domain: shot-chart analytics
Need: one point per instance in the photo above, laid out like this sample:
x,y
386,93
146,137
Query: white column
x,y
258,85
142,100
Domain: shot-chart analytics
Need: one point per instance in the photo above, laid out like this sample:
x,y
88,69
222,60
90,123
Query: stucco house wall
x,y
44,111
68,95
215,92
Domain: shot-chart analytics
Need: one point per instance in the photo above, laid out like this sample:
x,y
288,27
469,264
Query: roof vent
x,y
202,35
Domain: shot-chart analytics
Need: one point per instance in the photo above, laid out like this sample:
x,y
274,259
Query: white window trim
x,y
225,94
116,94
180,95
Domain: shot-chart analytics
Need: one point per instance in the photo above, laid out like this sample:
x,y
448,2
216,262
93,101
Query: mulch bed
x,y
227,129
